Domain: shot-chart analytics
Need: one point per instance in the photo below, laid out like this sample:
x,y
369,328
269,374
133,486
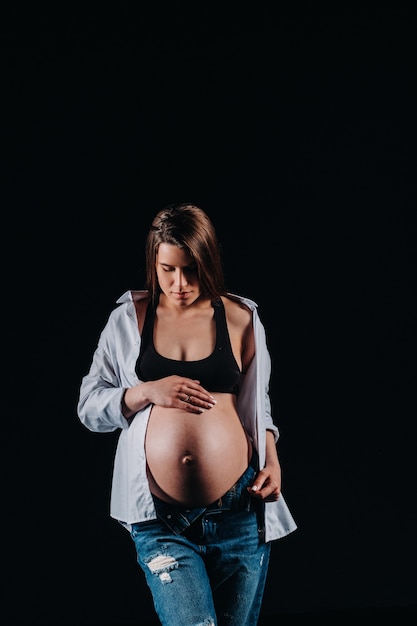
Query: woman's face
x,y
177,275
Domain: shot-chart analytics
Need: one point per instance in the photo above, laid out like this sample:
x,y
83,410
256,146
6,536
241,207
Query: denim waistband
x,y
237,498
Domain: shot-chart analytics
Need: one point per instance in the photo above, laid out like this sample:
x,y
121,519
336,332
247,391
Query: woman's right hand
x,y
173,391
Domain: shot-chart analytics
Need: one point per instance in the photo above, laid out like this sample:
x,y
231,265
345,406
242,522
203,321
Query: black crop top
x,y
217,372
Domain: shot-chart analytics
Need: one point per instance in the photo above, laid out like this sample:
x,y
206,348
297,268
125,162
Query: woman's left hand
x,y
267,484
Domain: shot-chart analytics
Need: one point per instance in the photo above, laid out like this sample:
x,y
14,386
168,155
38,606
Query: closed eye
x,y
192,269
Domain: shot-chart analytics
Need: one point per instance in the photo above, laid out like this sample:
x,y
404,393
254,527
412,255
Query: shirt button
x,y
169,516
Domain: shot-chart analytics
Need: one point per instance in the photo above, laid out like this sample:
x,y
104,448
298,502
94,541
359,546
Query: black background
x,y
293,126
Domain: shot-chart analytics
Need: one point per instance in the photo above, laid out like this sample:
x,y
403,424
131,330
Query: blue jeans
x,y
206,566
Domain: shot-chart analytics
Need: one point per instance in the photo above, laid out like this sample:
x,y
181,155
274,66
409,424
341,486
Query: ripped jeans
x,y
206,566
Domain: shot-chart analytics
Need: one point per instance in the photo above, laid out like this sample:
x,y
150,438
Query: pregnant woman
x,y
182,370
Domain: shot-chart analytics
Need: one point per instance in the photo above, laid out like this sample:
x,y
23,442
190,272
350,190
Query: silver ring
x,y
187,399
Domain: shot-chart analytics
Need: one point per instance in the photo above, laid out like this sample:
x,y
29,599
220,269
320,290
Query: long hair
x,y
186,226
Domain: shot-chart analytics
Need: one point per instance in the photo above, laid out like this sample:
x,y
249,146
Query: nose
x,y
181,280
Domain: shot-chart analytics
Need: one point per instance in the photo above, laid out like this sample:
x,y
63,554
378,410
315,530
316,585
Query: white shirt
x,y
112,371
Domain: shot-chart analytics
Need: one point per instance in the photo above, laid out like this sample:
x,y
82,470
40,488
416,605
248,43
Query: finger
x,y
194,397
259,483
195,388
206,398
259,495
272,497
190,406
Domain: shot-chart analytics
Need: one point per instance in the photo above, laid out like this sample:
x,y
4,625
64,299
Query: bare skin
x,y
196,446
196,459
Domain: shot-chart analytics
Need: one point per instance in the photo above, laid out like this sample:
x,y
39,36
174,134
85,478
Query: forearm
x,y
267,485
271,456
135,399
99,408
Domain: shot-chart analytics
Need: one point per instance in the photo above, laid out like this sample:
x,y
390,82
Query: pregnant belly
x,y
194,459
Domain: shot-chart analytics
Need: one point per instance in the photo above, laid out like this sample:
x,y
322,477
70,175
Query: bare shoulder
x,y
237,313
240,323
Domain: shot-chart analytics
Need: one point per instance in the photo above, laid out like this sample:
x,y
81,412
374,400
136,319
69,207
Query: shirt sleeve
x,y
101,392
264,366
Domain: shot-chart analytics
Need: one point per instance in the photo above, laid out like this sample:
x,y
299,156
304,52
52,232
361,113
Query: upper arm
x,y
248,347
240,325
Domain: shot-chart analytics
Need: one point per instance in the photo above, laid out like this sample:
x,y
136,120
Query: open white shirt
x,y
112,371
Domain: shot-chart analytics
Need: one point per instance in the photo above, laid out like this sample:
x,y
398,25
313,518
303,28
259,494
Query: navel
x,y
187,459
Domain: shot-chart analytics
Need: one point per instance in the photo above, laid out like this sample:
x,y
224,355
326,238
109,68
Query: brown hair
x,y
186,226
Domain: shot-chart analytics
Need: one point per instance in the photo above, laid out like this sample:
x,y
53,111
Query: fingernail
x,y
255,488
